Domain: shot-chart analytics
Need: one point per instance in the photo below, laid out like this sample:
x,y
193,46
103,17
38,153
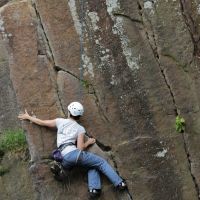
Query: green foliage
x,y
3,170
12,140
85,83
180,124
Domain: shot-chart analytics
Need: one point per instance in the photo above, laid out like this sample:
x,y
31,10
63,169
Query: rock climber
x,y
71,134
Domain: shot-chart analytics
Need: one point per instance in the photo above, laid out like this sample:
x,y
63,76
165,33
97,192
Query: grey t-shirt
x,y
68,131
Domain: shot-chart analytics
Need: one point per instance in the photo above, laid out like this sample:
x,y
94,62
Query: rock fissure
x,y
126,16
146,150
99,107
102,146
164,75
192,29
176,111
59,68
190,165
91,91
82,82
190,26
184,140
44,32
116,168
157,59
50,49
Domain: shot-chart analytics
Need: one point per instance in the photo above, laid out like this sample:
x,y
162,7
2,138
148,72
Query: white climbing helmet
x,y
75,109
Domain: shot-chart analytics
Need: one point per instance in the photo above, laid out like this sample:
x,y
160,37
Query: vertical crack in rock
x,y
90,91
108,149
82,29
116,168
190,165
44,32
157,58
99,106
192,30
51,56
163,72
191,27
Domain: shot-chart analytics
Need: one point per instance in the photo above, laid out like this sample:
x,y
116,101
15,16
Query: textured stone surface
x,y
63,39
8,101
16,184
139,69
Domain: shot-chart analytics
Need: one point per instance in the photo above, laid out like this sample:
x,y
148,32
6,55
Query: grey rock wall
x,y
138,69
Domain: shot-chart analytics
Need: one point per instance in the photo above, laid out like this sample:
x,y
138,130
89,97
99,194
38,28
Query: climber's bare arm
x,y
48,123
81,144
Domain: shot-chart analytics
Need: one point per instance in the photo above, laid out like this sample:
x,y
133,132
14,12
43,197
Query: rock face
x,y
135,67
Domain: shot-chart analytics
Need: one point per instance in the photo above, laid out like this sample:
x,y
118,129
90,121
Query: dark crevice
x,y
163,72
89,86
85,29
116,168
51,52
192,30
128,17
112,157
154,45
176,111
190,165
59,68
190,24
40,53
83,83
44,32
157,58
100,144
99,107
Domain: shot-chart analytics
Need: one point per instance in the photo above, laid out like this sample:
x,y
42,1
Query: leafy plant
x,y
11,140
180,124
85,83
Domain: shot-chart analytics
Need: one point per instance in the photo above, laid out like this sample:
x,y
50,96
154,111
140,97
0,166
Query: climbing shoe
x,y
122,186
56,168
93,193
60,174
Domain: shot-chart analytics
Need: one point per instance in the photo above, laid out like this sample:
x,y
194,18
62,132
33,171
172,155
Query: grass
x,y
12,140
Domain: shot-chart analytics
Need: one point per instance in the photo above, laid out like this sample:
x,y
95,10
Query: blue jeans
x,y
95,164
